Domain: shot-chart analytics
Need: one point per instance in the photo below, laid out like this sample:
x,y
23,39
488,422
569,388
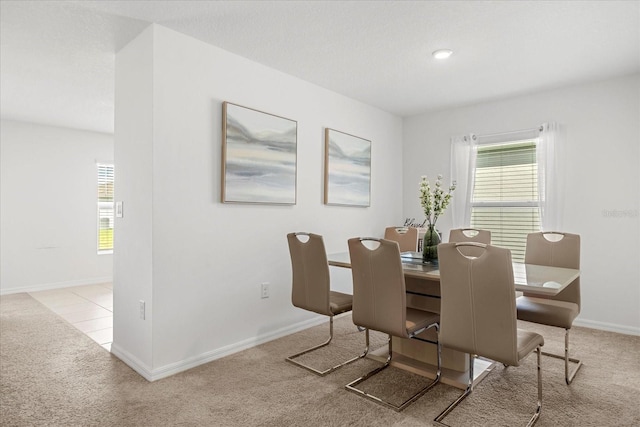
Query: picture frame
x,y
347,165
259,156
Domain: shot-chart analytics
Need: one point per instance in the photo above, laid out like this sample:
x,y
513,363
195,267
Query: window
x,y
105,208
505,194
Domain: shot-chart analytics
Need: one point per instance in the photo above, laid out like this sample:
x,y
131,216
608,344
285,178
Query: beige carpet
x,y
52,374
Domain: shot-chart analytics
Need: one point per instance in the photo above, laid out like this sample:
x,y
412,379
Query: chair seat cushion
x,y
420,319
527,342
547,311
339,302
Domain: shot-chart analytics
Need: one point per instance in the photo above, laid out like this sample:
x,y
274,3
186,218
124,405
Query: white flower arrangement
x,y
434,202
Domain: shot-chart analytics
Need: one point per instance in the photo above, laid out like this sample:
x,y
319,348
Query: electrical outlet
x,y
265,290
142,310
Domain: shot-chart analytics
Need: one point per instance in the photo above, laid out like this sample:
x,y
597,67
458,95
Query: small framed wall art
x,y
347,169
259,156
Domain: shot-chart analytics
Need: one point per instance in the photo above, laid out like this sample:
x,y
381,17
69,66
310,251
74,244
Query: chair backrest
x,y
311,280
470,235
478,308
407,237
457,235
556,249
379,293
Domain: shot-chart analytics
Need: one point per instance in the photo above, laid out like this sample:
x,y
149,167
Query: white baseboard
x,y
611,327
56,285
133,362
192,362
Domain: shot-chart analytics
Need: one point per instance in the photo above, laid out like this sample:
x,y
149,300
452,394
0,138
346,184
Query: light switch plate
x,y
119,212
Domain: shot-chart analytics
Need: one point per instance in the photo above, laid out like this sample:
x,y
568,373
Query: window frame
x,y
105,175
535,202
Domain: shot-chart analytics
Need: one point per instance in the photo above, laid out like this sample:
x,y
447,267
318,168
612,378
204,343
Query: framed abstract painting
x,y
347,169
259,156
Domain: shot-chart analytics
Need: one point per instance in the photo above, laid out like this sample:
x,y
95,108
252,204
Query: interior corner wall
x,y
132,258
601,155
208,258
48,209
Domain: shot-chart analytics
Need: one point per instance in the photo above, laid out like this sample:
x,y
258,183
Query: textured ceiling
x,y
57,57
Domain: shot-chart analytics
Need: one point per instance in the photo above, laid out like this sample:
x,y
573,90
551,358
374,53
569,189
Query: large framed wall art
x,y
259,156
347,169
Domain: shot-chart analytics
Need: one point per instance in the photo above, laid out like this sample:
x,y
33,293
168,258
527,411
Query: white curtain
x,y
549,180
463,170
464,151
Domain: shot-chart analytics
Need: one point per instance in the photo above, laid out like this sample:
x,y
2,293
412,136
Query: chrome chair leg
x,y
326,371
438,420
536,414
352,385
567,377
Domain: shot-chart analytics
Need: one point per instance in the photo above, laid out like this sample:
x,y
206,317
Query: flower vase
x,y
430,245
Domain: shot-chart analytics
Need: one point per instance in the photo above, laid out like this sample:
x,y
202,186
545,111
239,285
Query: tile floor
x,y
89,308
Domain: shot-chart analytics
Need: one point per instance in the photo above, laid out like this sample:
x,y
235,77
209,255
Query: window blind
x,y
505,194
105,207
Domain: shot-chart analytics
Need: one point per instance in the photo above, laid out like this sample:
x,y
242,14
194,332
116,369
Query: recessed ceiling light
x,y
442,53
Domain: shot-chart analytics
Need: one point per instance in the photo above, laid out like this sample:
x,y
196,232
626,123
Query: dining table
x,y
529,278
422,280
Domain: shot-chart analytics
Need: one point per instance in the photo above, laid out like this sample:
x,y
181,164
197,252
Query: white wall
x,y
207,258
132,260
601,123
48,214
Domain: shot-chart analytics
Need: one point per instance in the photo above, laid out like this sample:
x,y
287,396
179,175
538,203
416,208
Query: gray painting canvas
x,y
260,154
347,169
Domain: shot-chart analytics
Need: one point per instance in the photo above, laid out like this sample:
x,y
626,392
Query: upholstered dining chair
x,y
557,250
311,290
407,237
379,303
478,312
470,235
